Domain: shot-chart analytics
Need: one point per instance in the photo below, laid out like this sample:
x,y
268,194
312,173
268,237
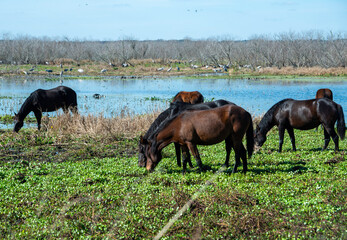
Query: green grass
x,y
8,119
89,188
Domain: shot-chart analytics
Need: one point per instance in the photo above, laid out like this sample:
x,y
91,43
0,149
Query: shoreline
x,y
157,70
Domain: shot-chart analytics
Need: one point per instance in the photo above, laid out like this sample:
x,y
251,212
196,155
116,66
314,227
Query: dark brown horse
x,y
174,109
228,123
46,101
305,114
189,97
324,93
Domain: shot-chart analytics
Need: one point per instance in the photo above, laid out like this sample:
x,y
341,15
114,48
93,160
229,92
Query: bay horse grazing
x,y
324,93
189,97
304,115
46,101
174,109
227,123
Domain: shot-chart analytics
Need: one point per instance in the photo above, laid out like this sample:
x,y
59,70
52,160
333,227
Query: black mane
x,y
157,122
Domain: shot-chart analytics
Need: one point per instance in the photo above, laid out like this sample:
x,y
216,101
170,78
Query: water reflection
x,y
134,95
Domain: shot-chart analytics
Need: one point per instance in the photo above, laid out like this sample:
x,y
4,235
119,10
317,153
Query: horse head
x,y
153,156
18,124
259,137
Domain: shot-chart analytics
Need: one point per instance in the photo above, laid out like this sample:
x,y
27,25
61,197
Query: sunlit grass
x,y
82,181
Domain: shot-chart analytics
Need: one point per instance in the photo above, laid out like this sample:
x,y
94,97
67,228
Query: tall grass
x,y
128,126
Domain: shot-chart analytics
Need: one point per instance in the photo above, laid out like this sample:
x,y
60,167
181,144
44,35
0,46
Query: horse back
x,y
211,126
189,97
307,114
324,93
55,98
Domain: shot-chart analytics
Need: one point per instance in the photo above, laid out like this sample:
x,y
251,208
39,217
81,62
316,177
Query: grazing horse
x,y
305,114
324,93
205,127
189,97
46,101
174,109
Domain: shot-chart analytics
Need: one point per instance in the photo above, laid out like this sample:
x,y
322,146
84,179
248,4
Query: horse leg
x,y
194,150
38,115
237,148
326,139
281,136
243,154
73,108
178,154
186,157
185,152
189,161
228,146
292,137
333,135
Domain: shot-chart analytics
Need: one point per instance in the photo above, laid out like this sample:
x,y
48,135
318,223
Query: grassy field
x,y
84,182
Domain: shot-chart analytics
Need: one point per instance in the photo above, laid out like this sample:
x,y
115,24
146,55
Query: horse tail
x,y
340,122
250,138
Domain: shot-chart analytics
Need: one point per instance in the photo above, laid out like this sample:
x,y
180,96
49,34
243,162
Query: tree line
x,y
306,49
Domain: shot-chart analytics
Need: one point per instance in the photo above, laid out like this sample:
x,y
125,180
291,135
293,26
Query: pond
x,y
140,96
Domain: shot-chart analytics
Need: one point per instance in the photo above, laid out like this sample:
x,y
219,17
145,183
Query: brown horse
x,y
324,93
189,97
205,127
305,114
174,109
46,101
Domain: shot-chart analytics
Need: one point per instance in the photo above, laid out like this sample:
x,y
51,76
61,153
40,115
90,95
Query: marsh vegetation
x,y
78,178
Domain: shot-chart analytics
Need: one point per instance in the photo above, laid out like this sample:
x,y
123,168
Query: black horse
x,y
46,101
174,110
305,114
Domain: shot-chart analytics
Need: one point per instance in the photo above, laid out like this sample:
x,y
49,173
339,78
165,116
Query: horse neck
x,y
163,138
266,123
25,109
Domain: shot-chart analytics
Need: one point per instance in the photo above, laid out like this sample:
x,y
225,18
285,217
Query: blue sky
x,y
169,19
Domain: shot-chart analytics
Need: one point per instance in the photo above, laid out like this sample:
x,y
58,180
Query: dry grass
x,y
304,71
99,126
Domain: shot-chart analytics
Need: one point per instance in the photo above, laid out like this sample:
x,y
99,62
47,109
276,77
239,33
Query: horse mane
x,y
266,122
166,121
157,122
161,126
